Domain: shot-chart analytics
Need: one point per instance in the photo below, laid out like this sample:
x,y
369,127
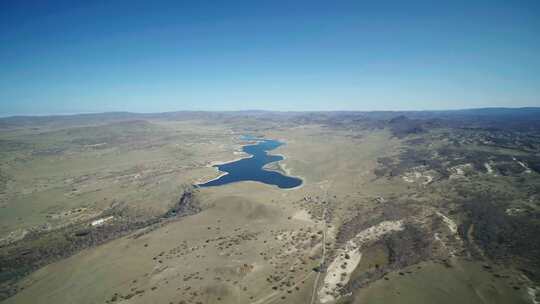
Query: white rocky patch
x,y
452,226
429,179
488,168
411,177
14,236
513,211
102,221
449,222
95,145
438,238
417,174
522,164
340,270
459,170
532,291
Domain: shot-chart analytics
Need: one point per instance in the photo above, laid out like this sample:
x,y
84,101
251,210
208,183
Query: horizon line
x,y
257,110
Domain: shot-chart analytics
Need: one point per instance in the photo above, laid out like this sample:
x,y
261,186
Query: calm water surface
x,y
251,169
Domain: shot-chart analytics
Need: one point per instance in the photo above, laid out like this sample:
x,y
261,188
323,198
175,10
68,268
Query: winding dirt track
x,y
323,257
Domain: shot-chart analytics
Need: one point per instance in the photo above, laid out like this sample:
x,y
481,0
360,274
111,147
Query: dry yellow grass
x,y
252,243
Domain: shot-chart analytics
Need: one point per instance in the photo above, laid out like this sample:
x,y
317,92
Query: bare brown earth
x,y
394,211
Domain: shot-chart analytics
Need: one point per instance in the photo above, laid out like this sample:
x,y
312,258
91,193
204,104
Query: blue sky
x,y
152,56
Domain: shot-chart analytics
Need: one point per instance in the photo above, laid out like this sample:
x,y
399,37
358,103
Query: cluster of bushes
x,y
503,237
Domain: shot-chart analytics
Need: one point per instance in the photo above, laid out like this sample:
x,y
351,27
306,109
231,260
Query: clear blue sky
x,y
151,56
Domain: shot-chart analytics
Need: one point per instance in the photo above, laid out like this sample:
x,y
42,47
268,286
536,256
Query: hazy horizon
x,y
263,110
76,57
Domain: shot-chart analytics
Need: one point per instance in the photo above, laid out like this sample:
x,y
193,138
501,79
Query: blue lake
x,y
251,169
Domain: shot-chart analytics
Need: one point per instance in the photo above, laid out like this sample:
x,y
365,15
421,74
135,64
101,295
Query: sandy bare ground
x,y
452,226
348,258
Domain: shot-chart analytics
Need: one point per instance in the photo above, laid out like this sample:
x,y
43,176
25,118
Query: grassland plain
x,y
74,174
401,209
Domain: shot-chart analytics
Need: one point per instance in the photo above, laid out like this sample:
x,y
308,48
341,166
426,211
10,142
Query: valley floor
x,y
365,227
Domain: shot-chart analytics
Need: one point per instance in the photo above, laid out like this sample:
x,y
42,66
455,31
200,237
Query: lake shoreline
x,y
286,170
